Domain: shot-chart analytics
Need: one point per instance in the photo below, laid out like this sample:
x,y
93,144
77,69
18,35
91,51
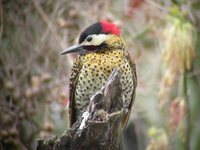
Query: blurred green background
x,y
162,37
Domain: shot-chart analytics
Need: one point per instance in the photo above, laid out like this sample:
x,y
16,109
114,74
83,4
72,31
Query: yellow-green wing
x,y
72,88
134,78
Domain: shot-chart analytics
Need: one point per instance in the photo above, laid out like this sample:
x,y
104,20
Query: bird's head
x,y
98,36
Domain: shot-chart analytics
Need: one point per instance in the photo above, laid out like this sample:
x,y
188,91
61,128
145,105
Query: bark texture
x,y
100,126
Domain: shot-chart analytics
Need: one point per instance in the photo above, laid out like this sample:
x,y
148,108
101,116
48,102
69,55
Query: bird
x,y
100,50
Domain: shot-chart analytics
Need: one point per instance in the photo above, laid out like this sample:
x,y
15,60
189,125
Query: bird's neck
x,y
116,42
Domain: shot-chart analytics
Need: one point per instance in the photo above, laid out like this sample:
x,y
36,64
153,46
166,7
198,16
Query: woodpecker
x,y
100,50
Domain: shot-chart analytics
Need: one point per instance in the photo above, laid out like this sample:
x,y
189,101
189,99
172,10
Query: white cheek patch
x,y
97,39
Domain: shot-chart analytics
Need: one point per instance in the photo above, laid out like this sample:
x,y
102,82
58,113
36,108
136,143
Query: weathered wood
x,y
99,128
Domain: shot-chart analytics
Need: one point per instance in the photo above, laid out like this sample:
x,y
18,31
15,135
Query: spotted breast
x,y
96,68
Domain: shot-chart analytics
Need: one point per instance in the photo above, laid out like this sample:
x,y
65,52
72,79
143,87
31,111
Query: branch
x,y
100,125
52,29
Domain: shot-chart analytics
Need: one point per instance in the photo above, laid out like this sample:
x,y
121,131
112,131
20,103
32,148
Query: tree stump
x,y
99,127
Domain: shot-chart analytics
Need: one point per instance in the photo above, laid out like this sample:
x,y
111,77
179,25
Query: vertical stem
x,y
187,140
1,20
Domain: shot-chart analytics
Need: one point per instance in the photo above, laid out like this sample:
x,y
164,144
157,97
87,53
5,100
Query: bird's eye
x,y
89,39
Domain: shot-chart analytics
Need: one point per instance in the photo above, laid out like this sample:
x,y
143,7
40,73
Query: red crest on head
x,y
108,27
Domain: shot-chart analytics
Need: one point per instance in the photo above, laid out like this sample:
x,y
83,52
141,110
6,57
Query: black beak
x,y
72,49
